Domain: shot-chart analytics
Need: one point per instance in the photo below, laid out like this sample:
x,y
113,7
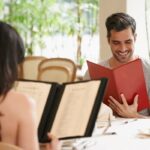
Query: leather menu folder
x,y
66,110
127,79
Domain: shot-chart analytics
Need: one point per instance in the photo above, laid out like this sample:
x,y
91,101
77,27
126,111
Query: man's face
x,y
122,44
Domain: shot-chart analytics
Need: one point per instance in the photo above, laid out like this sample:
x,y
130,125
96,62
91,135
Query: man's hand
x,y
125,110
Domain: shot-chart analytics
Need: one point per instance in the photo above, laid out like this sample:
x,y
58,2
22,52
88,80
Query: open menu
x,y
127,79
66,110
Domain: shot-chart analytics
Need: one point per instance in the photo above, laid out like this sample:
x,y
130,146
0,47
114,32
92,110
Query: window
x,y
56,28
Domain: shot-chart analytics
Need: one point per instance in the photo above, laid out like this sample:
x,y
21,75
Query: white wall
x,y
135,8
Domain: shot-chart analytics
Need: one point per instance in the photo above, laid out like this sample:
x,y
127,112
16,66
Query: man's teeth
x,y
123,53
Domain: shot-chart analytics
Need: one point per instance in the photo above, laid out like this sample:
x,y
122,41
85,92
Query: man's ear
x,y
135,35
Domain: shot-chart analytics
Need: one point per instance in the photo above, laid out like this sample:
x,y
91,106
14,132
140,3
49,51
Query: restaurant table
x,y
119,134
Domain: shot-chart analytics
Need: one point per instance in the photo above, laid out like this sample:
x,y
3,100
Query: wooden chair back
x,y
60,62
54,74
29,67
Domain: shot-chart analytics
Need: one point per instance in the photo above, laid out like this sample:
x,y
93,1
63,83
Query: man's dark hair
x,y
11,54
119,22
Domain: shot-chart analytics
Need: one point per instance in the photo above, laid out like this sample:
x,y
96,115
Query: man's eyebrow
x,y
128,40
115,41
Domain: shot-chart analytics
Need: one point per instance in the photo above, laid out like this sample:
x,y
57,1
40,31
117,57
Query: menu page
x,y
75,109
37,91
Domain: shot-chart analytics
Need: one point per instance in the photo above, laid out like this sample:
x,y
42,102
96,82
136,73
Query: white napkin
x,y
105,113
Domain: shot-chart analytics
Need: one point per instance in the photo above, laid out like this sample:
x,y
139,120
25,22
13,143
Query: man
x,y
121,36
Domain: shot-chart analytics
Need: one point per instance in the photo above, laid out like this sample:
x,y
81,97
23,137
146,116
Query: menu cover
x,y
66,110
127,79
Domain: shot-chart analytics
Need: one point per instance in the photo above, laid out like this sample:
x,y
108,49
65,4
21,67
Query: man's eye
x,y
128,42
115,43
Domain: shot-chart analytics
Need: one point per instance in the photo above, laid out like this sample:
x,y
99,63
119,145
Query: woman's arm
x,y
27,133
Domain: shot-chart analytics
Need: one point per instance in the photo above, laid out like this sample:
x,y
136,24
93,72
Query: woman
x,y
17,111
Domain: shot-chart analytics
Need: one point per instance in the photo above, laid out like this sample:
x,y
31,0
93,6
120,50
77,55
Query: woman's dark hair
x,y
11,54
119,22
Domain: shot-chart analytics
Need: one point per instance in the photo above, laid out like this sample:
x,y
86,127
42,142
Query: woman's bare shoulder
x,y
19,100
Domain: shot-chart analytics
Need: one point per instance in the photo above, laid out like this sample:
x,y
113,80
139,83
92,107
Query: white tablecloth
x,y
123,134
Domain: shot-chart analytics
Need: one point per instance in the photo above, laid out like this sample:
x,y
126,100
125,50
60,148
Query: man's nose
x,y
123,47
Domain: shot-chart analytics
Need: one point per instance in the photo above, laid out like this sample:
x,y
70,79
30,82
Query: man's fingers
x,y
135,103
115,101
114,104
124,101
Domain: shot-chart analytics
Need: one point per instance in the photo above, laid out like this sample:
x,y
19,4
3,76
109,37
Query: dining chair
x,y
61,62
20,71
29,67
7,146
57,74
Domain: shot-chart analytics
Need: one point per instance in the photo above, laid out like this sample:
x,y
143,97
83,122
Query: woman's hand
x,y
125,110
55,144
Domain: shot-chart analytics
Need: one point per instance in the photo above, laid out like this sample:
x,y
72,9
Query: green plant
x,y
78,19
37,19
32,19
